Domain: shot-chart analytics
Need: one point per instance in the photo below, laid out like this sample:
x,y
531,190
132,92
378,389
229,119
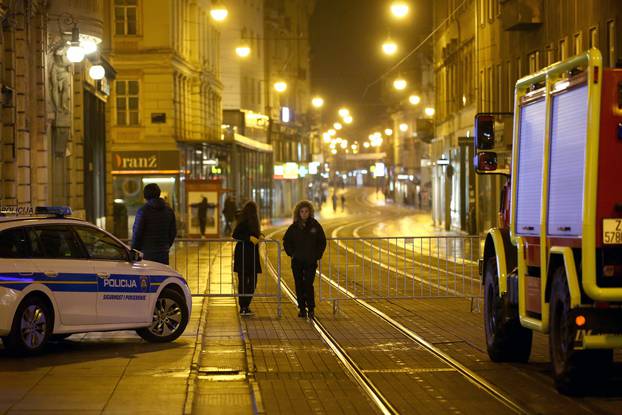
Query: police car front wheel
x,y
32,326
170,318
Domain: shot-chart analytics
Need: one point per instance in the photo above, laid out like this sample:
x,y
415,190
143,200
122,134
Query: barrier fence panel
x,y
401,267
208,266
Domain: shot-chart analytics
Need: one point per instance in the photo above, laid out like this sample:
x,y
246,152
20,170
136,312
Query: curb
x,y
250,371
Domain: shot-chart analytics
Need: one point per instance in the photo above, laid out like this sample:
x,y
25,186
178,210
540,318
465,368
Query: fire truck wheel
x,y
573,370
506,339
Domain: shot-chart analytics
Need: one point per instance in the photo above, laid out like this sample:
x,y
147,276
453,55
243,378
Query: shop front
x,y
131,172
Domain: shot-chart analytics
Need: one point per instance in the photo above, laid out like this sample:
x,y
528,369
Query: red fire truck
x,y
554,263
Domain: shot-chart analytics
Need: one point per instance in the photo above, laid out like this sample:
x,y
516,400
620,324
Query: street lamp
x,y
429,111
388,132
348,119
337,126
403,127
400,84
219,12
343,112
317,102
97,72
399,9
366,144
280,86
75,52
414,99
243,51
389,47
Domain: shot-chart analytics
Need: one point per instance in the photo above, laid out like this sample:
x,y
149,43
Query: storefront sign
x,y
290,170
141,162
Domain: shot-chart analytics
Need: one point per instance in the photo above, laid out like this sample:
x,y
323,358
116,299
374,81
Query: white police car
x,y
60,276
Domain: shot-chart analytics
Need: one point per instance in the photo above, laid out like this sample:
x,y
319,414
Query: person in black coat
x,y
305,243
246,255
154,228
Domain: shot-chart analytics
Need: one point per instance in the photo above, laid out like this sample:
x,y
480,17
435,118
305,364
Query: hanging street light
x,y
403,127
389,47
317,102
219,12
75,53
97,72
429,111
243,51
280,86
414,99
400,84
399,9
388,132
343,112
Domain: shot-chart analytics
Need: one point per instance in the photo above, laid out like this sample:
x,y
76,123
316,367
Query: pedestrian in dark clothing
x,y
154,226
228,212
202,214
343,202
305,243
246,255
334,201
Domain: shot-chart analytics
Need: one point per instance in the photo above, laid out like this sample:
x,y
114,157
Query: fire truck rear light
x,y
609,270
580,321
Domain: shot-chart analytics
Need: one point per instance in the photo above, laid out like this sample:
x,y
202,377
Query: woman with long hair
x,y
246,263
305,243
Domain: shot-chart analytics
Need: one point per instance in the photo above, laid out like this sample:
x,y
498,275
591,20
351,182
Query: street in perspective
x,y
311,207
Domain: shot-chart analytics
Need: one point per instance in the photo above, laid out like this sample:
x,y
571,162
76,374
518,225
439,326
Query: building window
x,y
125,17
611,42
127,102
578,43
563,49
593,39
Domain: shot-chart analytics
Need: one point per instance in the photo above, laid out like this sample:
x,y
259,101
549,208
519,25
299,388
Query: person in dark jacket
x,y
154,226
305,243
202,214
246,263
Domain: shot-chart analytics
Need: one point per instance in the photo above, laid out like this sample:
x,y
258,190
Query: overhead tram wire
x,y
415,49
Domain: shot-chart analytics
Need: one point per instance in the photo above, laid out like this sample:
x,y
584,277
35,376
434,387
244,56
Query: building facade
x,y
482,49
166,106
53,134
287,49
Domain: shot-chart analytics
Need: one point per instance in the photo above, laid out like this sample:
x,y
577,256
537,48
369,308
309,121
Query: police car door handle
x,y
51,274
103,275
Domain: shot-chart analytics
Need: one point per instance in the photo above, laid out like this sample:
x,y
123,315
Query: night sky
x,y
346,56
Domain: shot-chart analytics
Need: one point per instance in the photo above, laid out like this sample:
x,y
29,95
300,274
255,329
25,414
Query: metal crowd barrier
x,y
401,268
207,265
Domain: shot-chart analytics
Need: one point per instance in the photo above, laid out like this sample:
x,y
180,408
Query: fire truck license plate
x,y
612,231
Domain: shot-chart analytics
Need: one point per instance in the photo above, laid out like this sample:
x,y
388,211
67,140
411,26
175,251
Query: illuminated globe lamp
x,y
243,51
219,12
317,102
400,84
75,53
280,86
414,99
389,47
399,9
97,72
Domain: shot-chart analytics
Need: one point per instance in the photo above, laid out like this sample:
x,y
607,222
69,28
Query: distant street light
x,y
97,72
343,112
388,132
403,127
219,12
429,111
389,47
400,84
366,144
332,132
399,9
317,102
243,51
337,126
348,119
280,86
414,99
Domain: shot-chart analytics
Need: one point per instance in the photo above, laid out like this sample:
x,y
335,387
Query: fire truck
x,y
553,264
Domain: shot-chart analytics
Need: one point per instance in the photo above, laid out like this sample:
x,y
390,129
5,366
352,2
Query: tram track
x,y
359,375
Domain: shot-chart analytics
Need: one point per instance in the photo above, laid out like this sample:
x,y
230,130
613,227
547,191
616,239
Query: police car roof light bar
x,y
60,211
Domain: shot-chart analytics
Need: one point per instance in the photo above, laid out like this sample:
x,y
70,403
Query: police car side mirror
x,y
136,256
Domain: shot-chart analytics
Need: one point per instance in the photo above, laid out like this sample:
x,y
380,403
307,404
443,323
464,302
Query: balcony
x,y
521,15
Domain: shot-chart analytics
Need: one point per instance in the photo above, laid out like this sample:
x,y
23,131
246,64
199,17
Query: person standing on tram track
x,y
304,242
246,262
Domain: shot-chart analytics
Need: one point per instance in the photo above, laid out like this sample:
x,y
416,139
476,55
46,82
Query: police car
x,y
60,276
